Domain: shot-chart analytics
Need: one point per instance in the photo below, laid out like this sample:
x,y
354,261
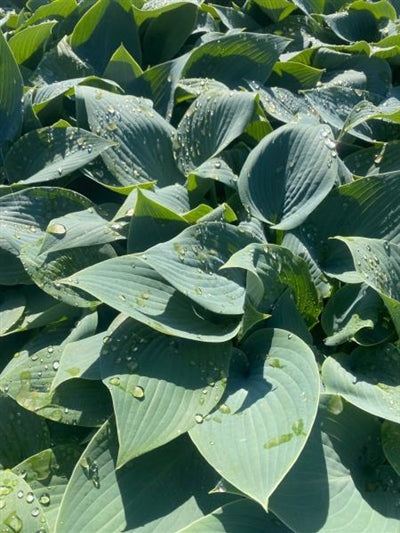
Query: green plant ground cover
x,y
199,266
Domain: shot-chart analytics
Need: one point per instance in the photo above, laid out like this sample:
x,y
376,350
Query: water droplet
x,y
138,392
114,381
56,365
122,297
35,512
225,409
45,499
56,229
50,349
30,497
198,419
20,494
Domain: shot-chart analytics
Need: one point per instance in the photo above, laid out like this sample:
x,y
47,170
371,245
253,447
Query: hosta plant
x,y
199,266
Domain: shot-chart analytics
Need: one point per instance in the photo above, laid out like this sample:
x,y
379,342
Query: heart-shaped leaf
x,y
279,375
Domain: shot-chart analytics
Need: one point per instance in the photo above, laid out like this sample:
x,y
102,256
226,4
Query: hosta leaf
x,y
301,170
276,9
103,499
369,208
25,214
272,270
45,269
28,378
80,359
375,160
41,310
11,90
266,416
23,433
97,231
211,123
377,262
280,103
102,29
236,517
19,508
52,153
30,40
305,251
253,55
160,386
191,263
56,9
352,313
369,379
341,481
122,68
158,83
48,473
287,316
159,43
334,104
144,148
144,295
152,222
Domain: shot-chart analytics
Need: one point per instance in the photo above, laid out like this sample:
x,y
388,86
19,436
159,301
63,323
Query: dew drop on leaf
x,y
198,419
45,499
138,392
56,229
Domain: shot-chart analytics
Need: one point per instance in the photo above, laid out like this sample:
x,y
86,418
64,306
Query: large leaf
x,y
45,269
160,386
369,207
159,43
288,174
97,231
210,124
30,40
253,55
143,150
272,269
191,263
11,89
266,413
28,379
143,294
51,153
352,313
341,481
103,499
102,29
368,378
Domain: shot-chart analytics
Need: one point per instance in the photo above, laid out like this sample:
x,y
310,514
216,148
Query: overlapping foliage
x,y
199,266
